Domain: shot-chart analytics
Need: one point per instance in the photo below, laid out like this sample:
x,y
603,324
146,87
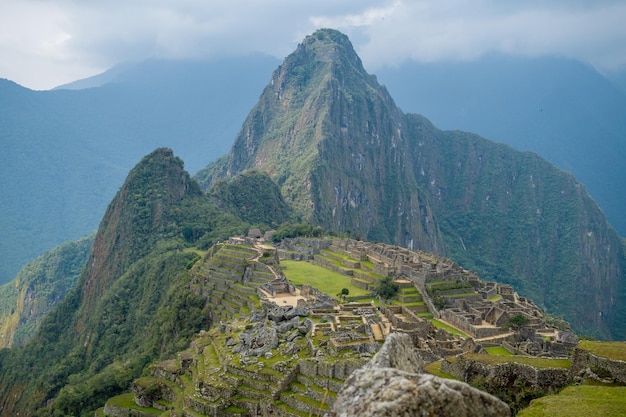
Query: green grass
x,y
127,401
441,325
610,350
435,369
581,400
330,282
524,360
233,409
498,350
337,255
367,264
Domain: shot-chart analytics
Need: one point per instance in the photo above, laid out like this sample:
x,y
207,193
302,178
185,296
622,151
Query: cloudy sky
x,y
44,43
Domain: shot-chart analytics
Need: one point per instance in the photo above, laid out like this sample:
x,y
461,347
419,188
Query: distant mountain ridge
x,y
68,150
561,109
65,152
348,159
99,80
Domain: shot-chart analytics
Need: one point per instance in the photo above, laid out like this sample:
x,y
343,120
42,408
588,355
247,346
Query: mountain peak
x,y
328,45
323,55
323,130
137,217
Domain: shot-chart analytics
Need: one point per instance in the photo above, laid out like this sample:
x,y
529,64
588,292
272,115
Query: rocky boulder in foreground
x,y
378,391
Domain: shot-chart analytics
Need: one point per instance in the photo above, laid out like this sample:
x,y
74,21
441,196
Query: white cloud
x,y
46,43
459,30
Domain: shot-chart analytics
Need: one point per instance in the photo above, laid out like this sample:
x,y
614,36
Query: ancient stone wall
x,y
602,367
507,374
461,322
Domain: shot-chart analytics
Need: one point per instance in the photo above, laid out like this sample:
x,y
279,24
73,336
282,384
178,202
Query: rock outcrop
x,y
384,388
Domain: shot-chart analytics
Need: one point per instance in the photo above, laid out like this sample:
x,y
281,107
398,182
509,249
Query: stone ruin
x,y
479,309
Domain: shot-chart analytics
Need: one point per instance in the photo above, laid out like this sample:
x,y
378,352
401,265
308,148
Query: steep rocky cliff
x,y
331,138
348,159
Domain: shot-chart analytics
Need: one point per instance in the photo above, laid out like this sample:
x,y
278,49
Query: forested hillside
x,y
39,286
131,304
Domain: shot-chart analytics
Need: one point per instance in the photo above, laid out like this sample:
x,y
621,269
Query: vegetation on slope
x,y
132,304
38,287
580,400
65,153
241,196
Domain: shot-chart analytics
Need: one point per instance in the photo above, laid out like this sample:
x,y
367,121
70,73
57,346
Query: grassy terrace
x,y
524,360
580,400
435,369
128,401
441,325
330,282
498,350
332,257
610,350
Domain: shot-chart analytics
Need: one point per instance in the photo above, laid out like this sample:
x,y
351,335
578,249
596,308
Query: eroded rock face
x,y
392,384
397,352
381,392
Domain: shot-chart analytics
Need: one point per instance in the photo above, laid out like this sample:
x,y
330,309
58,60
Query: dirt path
x,y
378,332
258,247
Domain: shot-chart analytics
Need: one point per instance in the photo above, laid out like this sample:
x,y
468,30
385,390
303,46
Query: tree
x,y
516,321
387,289
344,293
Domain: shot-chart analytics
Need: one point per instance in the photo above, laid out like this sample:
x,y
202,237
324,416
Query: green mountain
x,y
38,287
346,158
560,108
132,303
241,196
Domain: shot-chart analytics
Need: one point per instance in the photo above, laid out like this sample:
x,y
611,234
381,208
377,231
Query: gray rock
x,y
257,315
397,352
289,348
389,392
288,325
391,384
297,312
566,336
276,314
293,335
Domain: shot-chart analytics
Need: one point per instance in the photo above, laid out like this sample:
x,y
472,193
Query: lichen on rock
x,y
382,388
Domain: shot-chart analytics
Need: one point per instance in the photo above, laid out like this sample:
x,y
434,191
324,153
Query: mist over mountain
x,y
65,152
618,78
324,144
561,109
348,159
